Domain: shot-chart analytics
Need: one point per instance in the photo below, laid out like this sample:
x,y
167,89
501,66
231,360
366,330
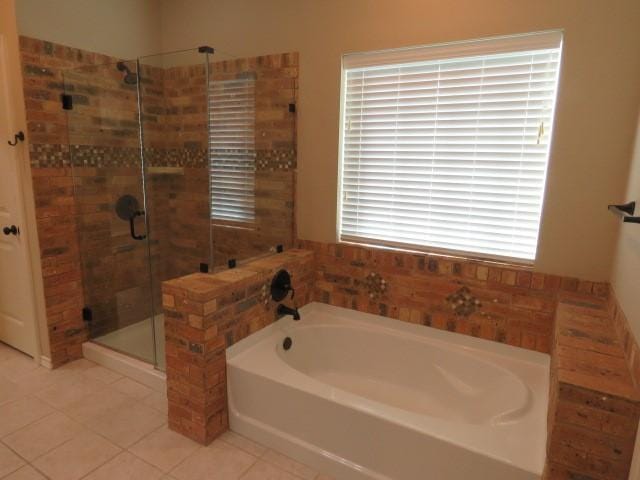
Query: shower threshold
x,y
115,350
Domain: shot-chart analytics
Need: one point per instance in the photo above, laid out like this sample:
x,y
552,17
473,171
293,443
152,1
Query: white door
x,y
17,312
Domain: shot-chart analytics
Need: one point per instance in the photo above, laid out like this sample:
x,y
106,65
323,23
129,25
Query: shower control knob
x,y
12,230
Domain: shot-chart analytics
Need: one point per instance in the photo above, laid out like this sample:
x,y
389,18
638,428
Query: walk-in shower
x,y
180,162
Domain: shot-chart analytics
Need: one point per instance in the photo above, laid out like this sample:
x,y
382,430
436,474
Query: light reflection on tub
x,y
423,378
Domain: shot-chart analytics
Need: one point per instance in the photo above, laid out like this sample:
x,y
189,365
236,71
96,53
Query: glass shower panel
x,y
174,126
180,162
253,154
173,100
104,145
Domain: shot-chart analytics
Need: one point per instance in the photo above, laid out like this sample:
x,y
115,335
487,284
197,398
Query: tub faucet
x,y
284,310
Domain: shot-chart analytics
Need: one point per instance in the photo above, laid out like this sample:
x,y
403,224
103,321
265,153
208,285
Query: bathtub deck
x,y
595,406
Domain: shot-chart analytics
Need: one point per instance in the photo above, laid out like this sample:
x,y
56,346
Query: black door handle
x,y
12,230
132,224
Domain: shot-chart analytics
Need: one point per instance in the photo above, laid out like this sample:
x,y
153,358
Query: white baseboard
x,y
46,362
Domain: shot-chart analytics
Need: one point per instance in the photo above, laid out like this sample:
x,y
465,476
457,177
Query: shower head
x,y
130,78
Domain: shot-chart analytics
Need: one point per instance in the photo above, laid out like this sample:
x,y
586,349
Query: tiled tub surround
x,y
82,164
627,339
493,301
596,420
594,400
362,396
205,314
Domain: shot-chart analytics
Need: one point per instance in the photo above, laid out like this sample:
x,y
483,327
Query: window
x,y
446,147
232,148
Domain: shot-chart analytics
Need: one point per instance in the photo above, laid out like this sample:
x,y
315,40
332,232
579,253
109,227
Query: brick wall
x,y
61,271
81,164
183,112
496,302
205,314
594,404
184,118
627,339
56,206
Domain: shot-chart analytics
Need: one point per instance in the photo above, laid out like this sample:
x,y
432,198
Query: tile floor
x,y
83,421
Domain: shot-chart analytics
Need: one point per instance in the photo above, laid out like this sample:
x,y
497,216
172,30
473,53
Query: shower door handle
x,y
132,224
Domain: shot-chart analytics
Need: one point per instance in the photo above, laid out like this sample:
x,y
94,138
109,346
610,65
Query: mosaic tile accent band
x,y
49,156
276,160
98,156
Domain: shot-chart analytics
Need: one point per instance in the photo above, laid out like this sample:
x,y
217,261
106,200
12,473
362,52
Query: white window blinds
x,y
232,149
446,147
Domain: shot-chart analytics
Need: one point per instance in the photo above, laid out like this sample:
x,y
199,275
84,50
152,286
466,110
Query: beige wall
x,y
596,112
625,278
121,28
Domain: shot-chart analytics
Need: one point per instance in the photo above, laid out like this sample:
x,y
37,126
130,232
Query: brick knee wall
x,y
205,314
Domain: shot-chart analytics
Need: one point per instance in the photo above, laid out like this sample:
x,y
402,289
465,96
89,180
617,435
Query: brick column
x,y
205,314
594,406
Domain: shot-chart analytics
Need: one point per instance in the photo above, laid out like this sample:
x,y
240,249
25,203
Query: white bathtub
x,y
360,396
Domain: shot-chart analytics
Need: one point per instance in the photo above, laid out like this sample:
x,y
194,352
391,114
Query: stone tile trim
x,y
503,303
48,155
463,303
101,156
594,406
205,314
276,160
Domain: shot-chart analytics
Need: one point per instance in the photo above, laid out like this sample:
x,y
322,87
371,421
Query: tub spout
x,y
284,310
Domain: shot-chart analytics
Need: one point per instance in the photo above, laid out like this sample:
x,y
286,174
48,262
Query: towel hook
x,y
18,137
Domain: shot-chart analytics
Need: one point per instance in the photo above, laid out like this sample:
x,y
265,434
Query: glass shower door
x,y
173,102
107,171
150,142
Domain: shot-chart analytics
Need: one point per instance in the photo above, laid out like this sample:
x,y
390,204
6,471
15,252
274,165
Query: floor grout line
x,y
255,461
29,423
74,375
85,428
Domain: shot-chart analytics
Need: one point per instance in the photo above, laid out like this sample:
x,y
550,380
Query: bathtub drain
x,y
287,343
